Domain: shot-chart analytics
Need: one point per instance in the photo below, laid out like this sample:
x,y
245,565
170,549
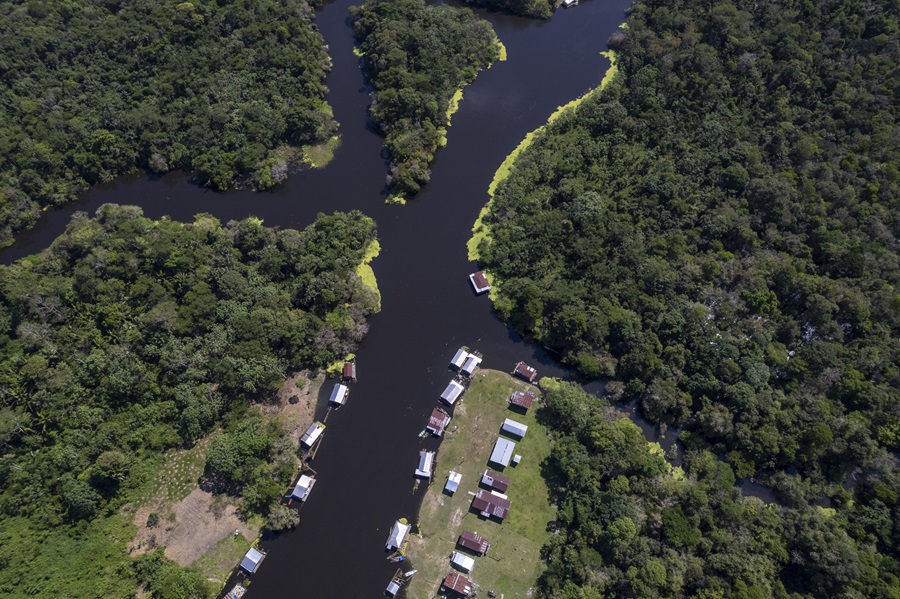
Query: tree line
x,y
130,336
416,57
91,89
715,233
631,525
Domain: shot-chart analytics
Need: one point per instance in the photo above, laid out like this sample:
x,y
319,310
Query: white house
x,y
516,429
453,482
461,561
452,392
426,462
303,487
339,394
471,364
398,535
459,358
252,560
503,451
312,434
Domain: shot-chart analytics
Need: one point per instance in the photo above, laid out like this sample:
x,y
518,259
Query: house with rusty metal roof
x,y
474,542
491,504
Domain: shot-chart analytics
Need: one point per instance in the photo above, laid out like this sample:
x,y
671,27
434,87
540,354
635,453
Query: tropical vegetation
x,y
416,58
715,232
92,89
130,336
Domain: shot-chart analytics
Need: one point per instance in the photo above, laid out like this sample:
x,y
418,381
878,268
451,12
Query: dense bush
x,y
540,9
91,89
718,230
416,57
632,526
129,336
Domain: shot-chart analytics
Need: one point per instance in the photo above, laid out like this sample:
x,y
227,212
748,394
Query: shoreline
x,y
513,563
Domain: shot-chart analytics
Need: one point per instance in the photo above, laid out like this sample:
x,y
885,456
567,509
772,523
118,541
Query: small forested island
x,y
129,337
91,90
417,58
716,232
539,9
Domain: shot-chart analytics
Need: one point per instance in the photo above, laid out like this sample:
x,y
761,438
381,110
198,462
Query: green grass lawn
x,y
218,563
513,564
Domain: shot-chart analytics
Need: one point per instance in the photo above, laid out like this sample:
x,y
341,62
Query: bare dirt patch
x,y
295,407
200,521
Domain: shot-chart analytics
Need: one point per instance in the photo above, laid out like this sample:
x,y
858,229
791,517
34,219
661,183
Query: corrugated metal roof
x,y
462,561
452,392
522,399
457,583
502,453
495,481
339,394
398,535
471,364
514,428
473,542
491,505
459,358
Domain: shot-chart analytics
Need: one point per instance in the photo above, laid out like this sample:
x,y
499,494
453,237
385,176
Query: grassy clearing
x,y
319,155
513,564
179,475
218,563
480,231
366,273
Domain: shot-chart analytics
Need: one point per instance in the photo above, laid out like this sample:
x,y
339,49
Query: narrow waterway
x,y
366,462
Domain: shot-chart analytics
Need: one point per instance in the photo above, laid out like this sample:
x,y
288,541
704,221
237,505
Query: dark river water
x,y
365,464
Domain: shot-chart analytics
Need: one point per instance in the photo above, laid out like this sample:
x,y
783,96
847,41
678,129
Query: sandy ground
x,y
296,405
202,519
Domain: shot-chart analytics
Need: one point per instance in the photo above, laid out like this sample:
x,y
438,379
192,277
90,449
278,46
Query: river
x,y
365,464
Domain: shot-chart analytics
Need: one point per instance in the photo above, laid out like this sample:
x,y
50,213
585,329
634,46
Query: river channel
x,y
366,461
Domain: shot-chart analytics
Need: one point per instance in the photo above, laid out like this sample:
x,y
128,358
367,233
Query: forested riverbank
x,y
91,90
716,232
417,57
128,337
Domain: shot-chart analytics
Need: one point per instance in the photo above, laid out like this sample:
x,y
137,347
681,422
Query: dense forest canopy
x,y
416,57
717,232
540,9
630,525
129,336
718,229
90,89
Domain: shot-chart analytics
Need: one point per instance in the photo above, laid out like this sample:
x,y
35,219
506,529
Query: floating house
x,y
479,282
426,462
452,392
339,394
461,561
312,434
349,373
438,422
398,535
502,453
494,481
569,3
252,560
392,589
459,358
513,428
473,542
303,487
470,365
458,584
491,504
453,482
524,371
521,400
